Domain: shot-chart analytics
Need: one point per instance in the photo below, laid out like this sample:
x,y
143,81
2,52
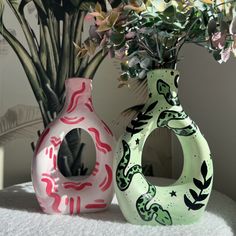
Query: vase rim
x,y
77,78
162,69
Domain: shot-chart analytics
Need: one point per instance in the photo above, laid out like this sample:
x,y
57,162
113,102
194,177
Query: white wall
x,y
208,93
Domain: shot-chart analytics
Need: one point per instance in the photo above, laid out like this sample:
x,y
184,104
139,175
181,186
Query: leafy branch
x,y
141,120
198,197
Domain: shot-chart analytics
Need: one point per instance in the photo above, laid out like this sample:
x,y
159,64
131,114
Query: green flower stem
x,y
94,64
53,37
26,62
74,27
56,27
83,64
42,47
78,37
65,53
51,65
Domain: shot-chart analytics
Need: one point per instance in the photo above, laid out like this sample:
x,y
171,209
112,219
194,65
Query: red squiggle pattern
x,y
78,205
57,198
95,205
71,205
55,141
103,147
99,200
96,170
68,121
51,179
55,161
50,153
108,180
75,98
76,186
89,105
103,182
44,134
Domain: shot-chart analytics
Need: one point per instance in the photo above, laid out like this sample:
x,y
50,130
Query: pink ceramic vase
x,y
56,193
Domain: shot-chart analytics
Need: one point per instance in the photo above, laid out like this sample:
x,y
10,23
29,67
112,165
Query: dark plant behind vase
x,y
51,59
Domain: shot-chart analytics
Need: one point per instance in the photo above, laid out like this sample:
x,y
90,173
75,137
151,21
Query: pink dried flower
x,y
218,40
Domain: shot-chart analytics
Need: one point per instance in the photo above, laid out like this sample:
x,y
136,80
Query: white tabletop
x,y
20,215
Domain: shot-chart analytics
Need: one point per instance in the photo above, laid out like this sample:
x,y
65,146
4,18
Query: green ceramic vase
x,y
185,201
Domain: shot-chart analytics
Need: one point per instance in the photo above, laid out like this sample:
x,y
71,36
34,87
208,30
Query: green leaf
x,y
76,3
217,55
14,3
117,38
2,6
86,5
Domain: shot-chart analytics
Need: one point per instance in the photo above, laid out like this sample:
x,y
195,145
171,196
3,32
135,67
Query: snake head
x,y
163,217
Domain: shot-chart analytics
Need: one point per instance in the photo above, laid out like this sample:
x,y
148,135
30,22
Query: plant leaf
x,y
204,169
138,124
202,197
151,107
14,3
207,183
198,183
197,206
20,121
2,7
188,202
194,194
191,205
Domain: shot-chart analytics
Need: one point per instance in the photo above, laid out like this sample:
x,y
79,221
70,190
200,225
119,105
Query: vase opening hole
x,y
81,163
162,157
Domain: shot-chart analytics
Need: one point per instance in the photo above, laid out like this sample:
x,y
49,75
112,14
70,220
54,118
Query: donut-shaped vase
x,y
57,194
183,202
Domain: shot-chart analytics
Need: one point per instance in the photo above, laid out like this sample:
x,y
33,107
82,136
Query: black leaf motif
x,y
144,117
202,197
133,131
151,107
197,206
194,194
141,120
188,203
207,183
204,169
192,205
138,124
198,183
201,186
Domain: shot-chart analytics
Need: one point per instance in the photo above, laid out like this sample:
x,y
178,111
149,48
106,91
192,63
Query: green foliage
x,y
50,60
150,34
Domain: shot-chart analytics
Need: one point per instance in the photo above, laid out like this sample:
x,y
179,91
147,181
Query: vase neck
x,y
78,90
162,81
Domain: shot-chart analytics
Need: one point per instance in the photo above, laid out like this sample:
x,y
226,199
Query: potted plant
x,y
148,36
52,58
